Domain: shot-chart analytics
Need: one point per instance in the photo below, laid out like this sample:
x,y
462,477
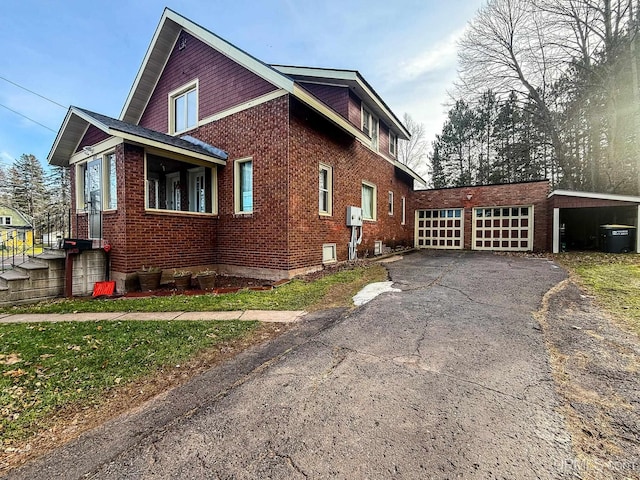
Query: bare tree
x,y
413,152
506,49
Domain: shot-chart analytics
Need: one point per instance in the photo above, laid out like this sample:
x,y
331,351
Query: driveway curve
x,y
446,378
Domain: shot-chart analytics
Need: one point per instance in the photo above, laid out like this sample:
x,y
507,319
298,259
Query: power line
x,y
28,118
32,92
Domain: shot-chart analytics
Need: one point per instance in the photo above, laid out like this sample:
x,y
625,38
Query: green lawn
x,y
296,295
45,367
613,278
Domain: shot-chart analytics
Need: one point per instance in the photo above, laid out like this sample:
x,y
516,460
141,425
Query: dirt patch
x,y
596,367
72,421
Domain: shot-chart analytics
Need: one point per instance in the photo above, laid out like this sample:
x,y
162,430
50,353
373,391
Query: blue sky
x,y
88,53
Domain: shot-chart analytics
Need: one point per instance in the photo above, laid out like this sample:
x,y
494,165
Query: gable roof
x,y
18,219
356,83
163,42
78,119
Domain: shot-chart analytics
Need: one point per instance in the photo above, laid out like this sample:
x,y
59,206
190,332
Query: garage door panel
x,y
503,228
440,228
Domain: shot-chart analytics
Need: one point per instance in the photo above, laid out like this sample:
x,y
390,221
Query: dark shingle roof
x,y
187,143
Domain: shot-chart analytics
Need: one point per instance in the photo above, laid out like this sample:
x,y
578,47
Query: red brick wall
x,y
222,82
258,239
529,193
314,140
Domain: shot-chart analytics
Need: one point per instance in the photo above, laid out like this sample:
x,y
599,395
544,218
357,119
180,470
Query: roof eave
x,y
595,195
352,78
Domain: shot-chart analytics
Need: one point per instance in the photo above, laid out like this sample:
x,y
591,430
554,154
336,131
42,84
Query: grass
x,y
296,295
613,278
47,366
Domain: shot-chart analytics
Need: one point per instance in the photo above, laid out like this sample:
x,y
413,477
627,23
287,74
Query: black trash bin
x,y
617,238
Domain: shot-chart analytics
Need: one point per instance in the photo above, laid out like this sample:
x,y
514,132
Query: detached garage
x,y
586,221
508,217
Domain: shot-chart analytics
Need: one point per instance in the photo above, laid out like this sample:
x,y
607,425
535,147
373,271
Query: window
x,y
325,186
178,186
7,220
111,191
404,212
368,201
370,127
183,108
329,253
393,144
97,183
243,179
390,203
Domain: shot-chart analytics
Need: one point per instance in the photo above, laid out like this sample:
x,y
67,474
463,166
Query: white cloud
x,y
439,56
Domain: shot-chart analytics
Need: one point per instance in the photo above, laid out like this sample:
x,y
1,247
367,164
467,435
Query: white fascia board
x,y
345,75
136,82
59,135
597,196
98,149
165,147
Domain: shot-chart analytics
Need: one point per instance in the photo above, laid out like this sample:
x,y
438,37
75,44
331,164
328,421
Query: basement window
x,y
329,253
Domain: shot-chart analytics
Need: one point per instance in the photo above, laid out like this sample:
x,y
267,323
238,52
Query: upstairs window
x,y
325,189
370,126
393,144
5,220
390,203
183,108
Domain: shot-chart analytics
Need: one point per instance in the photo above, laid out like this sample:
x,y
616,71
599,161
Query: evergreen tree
x,y
26,184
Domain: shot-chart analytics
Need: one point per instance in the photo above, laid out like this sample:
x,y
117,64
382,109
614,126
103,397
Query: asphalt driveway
x,y
448,378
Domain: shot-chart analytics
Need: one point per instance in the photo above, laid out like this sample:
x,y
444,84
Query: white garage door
x,y
503,228
440,228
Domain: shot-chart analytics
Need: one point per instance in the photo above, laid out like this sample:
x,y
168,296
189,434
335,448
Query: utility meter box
x,y
354,217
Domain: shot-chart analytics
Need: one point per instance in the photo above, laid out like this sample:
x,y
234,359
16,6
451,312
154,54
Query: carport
x,y
577,217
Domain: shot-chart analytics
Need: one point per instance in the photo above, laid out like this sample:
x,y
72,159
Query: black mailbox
x,y
77,244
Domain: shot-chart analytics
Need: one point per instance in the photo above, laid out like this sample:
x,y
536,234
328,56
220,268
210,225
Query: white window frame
x,y
390,209
332,257
374,201
404,211
5,221
237,188
106,172
173,97
328,190
194,174
393,144
371,126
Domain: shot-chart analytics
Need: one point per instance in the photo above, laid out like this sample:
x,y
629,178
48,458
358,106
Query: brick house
x,y
221,161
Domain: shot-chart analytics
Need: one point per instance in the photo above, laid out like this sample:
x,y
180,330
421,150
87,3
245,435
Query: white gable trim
x,y
244,106
597,196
